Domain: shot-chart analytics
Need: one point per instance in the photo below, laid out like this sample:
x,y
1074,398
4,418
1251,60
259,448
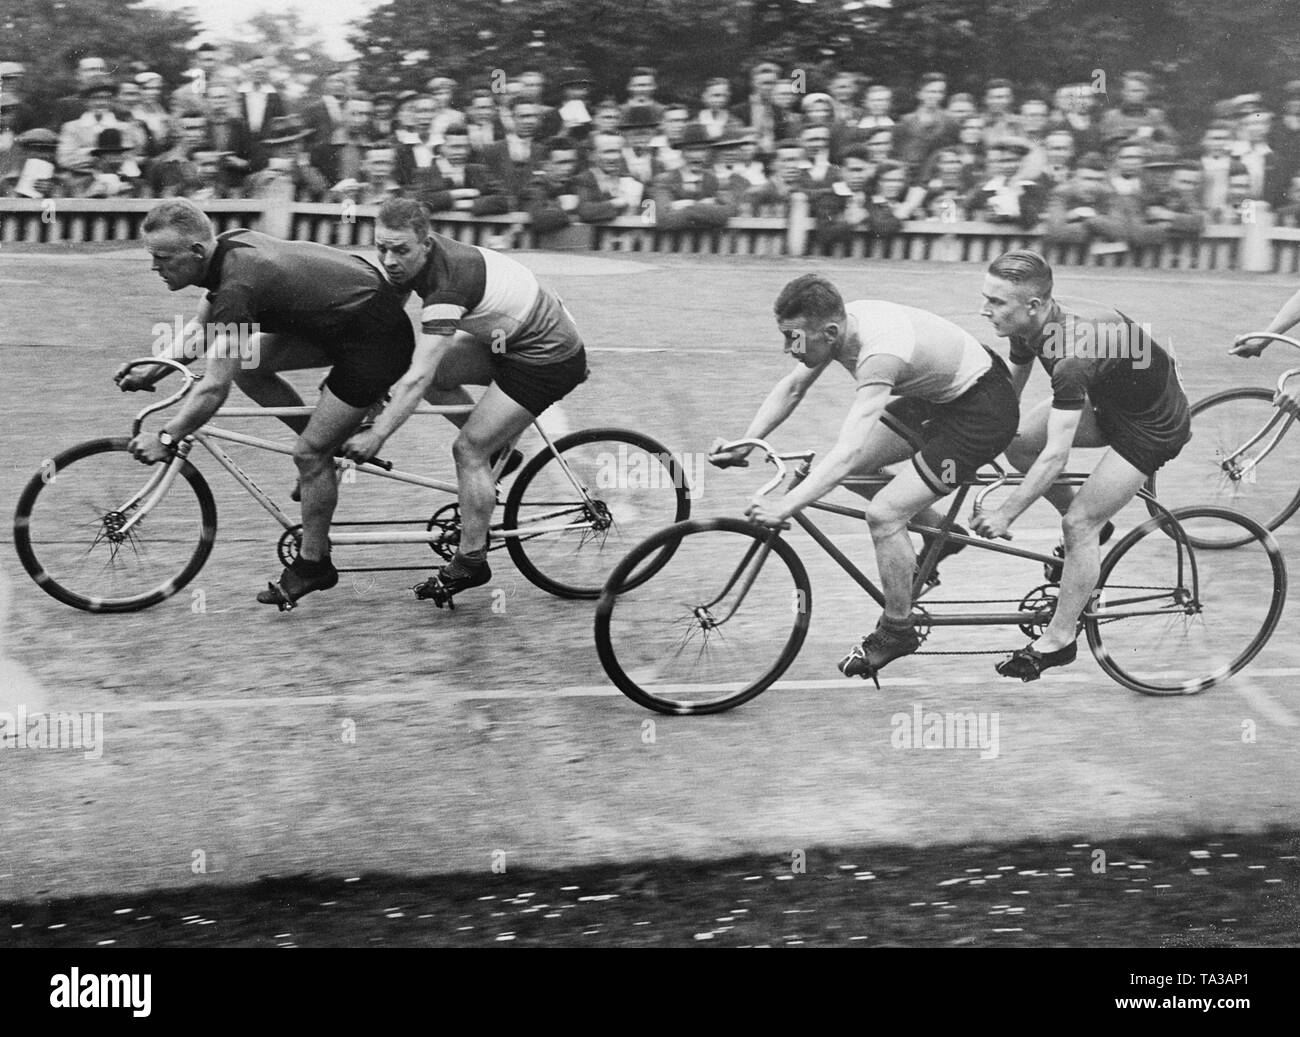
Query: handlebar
x,y
176,397
779,460
1271,337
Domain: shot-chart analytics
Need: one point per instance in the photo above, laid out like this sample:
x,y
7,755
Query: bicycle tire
x,y
49,519
576,564
1270,494
1169,653
639,623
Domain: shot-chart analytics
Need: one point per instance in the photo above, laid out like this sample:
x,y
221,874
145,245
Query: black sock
x,y
472,557
311,568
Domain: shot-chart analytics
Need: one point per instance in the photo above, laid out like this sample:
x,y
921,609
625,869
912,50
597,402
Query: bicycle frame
x,y
941,534
208,436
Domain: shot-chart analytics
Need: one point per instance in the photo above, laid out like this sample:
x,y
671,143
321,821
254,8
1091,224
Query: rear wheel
x,y
1172,619
723,615
1212,468
69,529
633,485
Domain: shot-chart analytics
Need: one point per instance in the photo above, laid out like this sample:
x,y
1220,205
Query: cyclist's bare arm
x,y
779,405
843,459
147,377
210,392
407,392
1020,376
1061,427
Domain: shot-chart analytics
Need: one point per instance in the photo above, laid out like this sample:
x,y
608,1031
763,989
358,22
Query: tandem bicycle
x,y
726,607
99,531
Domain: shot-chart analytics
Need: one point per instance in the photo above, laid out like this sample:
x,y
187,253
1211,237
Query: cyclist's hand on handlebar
x,y
1288,401
138,380
362,446
1248,346
765,515
729,458
147,449
991,524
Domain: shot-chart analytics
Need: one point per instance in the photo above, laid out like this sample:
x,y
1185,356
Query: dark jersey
x,y
1096,353
494,299
296,286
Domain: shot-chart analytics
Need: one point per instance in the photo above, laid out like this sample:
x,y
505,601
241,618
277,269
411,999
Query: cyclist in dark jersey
x,y
307,305
1112,386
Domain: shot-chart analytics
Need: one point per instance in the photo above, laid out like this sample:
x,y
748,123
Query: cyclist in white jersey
x,y
956,410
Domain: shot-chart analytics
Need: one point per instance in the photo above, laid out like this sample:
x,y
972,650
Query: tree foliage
x,y
1200,49
49,36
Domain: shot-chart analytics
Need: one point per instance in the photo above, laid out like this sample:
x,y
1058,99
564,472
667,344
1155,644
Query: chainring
x,y
289,546
446,520
1042,602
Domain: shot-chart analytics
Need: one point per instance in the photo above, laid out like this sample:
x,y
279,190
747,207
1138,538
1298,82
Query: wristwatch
x,y
166,439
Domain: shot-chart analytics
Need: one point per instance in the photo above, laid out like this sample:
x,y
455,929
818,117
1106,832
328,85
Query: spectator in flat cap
x,y
1126,168
1133,116
22,114
638,128
24,179
691,198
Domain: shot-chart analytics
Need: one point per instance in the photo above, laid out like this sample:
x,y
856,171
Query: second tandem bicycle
x,y
101,532
706,614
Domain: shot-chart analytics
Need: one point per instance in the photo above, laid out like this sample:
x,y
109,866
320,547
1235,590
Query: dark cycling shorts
x,y
536,386
1146,445
369,353
954,439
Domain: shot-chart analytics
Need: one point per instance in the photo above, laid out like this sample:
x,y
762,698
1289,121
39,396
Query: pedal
x,y
434,590
855,665
279,598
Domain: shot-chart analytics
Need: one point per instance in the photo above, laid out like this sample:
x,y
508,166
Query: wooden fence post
x,y
796,225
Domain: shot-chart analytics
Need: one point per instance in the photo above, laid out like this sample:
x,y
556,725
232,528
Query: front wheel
x,y
573,513
70,528
1215,467
1171,619
721,618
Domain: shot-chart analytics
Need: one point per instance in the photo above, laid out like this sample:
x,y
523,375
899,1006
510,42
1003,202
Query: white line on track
x,y
1260,701
433,694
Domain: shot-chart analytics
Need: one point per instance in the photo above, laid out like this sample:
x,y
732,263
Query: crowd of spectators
x,y
1081,169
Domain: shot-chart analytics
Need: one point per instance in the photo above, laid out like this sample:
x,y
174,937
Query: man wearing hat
x,y
78,136
90,69
1177,208
22,115
789,177
113,172
690,198
288,170
1251,149
574,117
638,128
551,197
21,178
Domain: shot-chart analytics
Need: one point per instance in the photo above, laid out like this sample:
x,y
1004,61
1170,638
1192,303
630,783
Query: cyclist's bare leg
x,y
888,514
456,397
332,423
1031,438
264,386
496,421
889,449
1113,483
